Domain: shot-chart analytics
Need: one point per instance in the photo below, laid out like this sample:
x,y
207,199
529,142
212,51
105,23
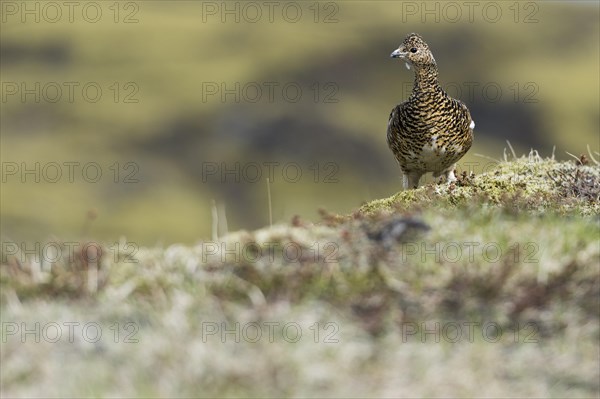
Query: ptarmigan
x,y
431,131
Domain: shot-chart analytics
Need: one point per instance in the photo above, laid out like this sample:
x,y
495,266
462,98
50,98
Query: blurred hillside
x,y
179,103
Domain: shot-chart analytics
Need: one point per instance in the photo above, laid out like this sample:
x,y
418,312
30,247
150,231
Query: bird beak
x,y
398,53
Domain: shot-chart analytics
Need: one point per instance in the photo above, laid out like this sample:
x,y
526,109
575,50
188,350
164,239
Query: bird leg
x,y
449,173
411,179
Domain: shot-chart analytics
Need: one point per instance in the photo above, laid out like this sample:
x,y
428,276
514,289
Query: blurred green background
x,y
529,72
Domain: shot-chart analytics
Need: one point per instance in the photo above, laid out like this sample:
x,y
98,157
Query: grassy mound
x,y
526,184
486,287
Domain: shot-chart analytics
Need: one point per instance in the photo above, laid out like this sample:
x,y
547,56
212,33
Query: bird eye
x,y
413,50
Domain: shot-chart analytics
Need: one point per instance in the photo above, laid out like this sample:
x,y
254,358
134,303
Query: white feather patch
x,y
407,65
472,125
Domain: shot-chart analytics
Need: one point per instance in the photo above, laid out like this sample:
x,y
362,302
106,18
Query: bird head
x,y
415,52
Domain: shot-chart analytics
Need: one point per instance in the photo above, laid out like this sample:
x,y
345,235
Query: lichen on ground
x,y
529,183
486,287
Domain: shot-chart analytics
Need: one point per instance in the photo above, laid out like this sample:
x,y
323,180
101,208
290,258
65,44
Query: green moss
x,y
530,182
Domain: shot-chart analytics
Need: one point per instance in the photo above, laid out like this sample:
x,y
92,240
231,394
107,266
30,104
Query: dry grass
x,y
511,258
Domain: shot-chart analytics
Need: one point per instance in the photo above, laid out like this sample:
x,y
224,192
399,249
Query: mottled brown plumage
x,y
430,131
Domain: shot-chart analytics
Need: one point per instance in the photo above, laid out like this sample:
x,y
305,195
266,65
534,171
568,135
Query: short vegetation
x,y
489,286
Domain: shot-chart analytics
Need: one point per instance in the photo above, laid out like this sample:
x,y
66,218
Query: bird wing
x,y
395,121
467,115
